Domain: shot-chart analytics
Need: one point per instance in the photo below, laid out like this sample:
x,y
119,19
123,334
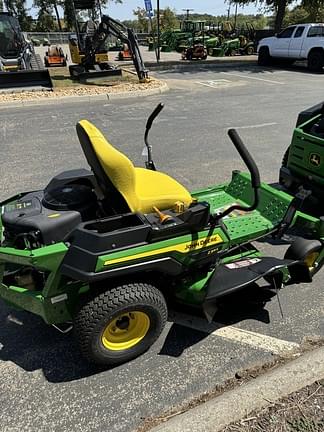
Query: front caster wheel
x,y
307,251
120,324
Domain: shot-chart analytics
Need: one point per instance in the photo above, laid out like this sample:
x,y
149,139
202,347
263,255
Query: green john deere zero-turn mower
x,y
106,250
303,162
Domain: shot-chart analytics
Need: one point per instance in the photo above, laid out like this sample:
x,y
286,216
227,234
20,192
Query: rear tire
x,y
264,58
315,61
120,324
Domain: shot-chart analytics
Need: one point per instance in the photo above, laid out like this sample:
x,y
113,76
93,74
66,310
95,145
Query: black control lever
x,y
253,169
149,163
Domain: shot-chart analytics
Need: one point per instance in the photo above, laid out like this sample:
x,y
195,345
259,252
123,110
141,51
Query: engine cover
x,y
29,220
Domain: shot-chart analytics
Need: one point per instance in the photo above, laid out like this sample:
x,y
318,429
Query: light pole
x,y
187,10
158,30
235,17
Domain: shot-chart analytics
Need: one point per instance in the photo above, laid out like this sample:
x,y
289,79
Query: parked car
x,y
296,42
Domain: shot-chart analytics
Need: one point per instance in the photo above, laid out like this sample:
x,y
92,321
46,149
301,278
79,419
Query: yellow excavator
x,y
88,46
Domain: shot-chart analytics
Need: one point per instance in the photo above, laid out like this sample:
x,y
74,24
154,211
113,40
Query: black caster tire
x,y
305,250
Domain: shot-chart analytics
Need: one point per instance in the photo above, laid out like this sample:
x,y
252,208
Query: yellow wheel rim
x,y
125,331
310,259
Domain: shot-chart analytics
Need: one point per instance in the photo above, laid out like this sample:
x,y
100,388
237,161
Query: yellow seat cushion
x,y
141,188
154,188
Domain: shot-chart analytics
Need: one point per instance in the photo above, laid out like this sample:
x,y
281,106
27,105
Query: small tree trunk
x,y
281,9
57,17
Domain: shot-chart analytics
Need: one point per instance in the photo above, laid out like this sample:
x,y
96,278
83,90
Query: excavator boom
x,y
95,42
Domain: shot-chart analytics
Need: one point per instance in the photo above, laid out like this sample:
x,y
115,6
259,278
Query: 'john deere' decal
x,y
315,159
181,248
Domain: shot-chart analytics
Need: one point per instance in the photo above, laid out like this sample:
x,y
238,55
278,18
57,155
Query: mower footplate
x,y
231,277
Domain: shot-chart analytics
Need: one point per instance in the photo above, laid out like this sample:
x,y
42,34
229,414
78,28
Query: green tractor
x,y
303,162
180,39
240,45
107,251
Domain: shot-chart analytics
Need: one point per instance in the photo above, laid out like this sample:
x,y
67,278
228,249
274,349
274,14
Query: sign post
x,y
149,13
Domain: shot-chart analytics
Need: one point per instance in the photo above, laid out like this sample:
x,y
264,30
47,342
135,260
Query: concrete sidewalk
x,y
238,403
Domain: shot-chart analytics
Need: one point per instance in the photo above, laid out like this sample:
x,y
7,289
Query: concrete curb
x,y
86,98
236,404
208,64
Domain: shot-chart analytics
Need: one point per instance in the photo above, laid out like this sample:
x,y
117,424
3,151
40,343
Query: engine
x,y
46,217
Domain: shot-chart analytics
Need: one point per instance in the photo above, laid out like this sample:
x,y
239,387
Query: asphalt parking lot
x,y
44,385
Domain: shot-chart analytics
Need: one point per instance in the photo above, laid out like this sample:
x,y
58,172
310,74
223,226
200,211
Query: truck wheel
x,y
305,250
120,324
210,51
264,58
315,61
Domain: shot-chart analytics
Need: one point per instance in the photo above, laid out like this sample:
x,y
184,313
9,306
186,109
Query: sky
x,y
214,7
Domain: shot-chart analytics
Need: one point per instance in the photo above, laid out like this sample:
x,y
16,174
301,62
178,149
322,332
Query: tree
x,y
277,6
45,22
315,10
47,7
19,9
297,15
307,11
169,20
142,20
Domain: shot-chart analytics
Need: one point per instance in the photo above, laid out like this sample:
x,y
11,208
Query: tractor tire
x,y
120,324
284,162
315,61
264,58
305,250
249,50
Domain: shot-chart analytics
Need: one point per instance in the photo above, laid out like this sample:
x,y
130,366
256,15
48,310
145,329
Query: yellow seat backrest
x,y
118,168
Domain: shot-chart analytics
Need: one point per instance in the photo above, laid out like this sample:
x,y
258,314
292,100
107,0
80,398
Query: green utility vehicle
x,y
303,162
106,251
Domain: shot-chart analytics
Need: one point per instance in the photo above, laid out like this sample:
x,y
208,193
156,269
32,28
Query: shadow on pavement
x,y
255,69
247,304
32,345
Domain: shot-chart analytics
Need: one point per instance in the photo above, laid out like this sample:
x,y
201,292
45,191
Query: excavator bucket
x,y
27,79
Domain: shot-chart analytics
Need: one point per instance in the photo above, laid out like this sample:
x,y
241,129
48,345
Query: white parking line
x,y
253,78
254,126
215,83
256,340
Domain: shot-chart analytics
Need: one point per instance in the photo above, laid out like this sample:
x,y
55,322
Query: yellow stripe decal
x,y
181,248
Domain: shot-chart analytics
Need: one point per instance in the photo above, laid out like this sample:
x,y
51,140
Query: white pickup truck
x,y
296,42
